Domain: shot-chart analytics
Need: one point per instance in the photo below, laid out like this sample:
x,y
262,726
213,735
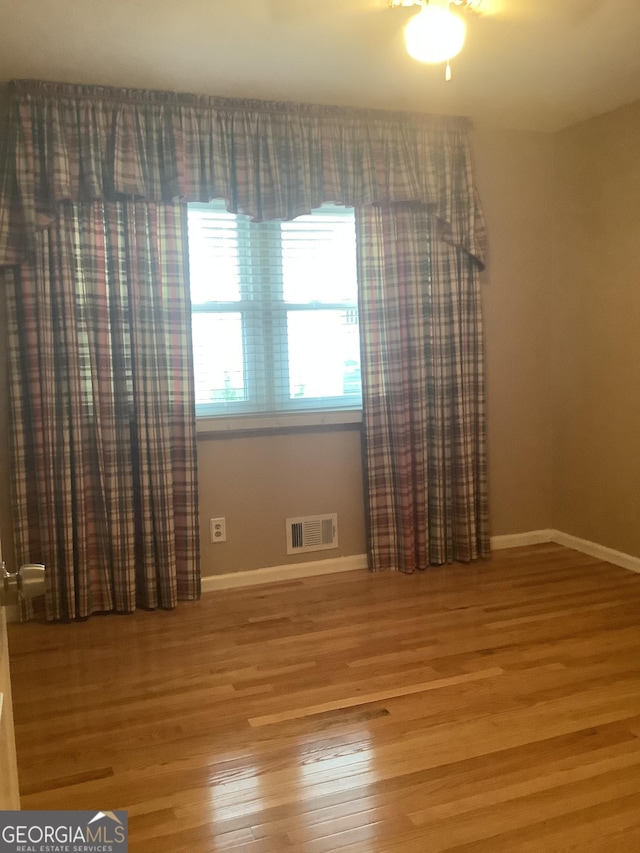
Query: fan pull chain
x,y
447,71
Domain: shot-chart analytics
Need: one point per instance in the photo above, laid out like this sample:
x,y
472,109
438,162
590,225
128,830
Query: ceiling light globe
x,y
434,35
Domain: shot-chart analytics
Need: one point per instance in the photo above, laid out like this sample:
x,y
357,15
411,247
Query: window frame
x,y
264,317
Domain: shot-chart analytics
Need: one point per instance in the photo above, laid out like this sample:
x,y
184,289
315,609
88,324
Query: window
x,y
275,315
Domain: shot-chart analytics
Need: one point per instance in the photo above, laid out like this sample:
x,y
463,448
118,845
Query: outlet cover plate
x,y
218,530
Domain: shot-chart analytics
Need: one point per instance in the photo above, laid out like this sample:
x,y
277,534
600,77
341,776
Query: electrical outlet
x,y
218,528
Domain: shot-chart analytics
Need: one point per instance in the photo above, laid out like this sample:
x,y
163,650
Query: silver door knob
x,y
31,581
28,582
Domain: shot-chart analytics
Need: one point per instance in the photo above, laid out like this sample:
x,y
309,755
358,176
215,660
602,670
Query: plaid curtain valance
x,y
268,160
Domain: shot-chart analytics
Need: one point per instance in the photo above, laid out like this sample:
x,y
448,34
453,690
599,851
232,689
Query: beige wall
x,y
256,482
596,388
562,357
514,176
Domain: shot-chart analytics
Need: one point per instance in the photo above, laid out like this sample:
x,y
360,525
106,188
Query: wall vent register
x,y
312,533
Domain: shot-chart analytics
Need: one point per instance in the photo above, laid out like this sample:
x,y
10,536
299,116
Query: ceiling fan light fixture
x,y
435,34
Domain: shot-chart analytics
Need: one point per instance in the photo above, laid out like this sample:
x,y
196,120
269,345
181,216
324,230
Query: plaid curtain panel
x,y
103,423
423,392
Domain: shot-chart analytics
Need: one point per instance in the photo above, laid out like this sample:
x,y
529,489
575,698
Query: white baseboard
x,y
593,549
600,552
518,540
295,571
292,571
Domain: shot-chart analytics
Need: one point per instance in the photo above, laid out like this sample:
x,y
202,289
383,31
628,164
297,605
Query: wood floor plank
x,y
492,707
370,698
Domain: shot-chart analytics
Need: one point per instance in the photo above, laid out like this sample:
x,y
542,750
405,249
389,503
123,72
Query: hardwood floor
x,y
494,707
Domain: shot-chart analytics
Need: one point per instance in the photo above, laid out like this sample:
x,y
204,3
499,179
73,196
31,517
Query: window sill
x,y
280,422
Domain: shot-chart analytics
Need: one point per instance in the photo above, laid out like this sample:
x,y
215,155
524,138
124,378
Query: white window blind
x,y
275,316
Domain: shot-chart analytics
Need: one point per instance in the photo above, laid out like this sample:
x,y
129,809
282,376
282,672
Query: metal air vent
x,y
312,533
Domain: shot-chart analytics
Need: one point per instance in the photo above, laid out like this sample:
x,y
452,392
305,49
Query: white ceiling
x,y
530,64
